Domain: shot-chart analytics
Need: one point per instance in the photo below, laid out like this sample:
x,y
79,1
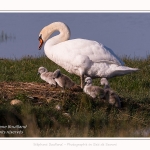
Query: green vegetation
x,y
80,116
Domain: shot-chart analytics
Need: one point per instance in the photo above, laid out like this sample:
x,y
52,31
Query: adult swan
x,y
80,56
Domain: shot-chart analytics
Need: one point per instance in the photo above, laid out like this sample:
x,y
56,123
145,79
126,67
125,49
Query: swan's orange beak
x,y
41,43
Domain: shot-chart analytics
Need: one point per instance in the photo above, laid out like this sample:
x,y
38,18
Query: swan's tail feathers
x,y
123,70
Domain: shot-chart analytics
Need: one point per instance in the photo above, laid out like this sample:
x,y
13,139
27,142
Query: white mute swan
x,y
80,56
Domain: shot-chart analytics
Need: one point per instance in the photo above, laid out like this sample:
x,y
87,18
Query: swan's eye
x,y
40,37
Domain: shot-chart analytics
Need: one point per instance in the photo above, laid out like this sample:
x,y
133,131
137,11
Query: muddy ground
x,y
34,91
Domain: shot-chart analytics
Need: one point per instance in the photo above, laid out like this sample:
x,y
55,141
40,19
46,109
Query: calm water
x,y
125,33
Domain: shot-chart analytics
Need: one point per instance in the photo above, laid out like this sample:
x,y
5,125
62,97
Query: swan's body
x,y
80,56
110,95
93,91
63,80
47,76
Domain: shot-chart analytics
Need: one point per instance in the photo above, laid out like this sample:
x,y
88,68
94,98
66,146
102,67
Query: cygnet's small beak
x,y
84,83
38,73
53,77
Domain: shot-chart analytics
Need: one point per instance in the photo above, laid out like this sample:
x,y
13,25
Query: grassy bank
x,y
79,116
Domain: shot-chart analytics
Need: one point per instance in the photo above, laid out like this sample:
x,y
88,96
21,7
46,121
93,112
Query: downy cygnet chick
x,y
63,80
110,95
93,91
47,76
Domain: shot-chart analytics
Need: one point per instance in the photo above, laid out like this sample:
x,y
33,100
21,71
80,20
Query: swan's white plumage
x,y
81,56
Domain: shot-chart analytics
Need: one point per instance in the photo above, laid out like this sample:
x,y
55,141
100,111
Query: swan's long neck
x,y
61,37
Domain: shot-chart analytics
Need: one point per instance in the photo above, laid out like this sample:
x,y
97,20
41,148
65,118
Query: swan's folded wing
x,y
94,50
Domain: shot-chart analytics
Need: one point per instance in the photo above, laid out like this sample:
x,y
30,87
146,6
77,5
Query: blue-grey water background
x,y
127,34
